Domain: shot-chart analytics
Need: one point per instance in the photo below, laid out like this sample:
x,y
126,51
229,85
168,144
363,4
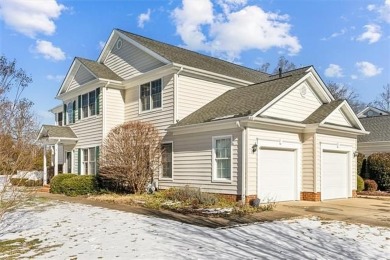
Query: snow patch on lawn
x,y
88,232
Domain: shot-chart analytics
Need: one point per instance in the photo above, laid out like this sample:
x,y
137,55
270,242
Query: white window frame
x,y
150,97
87,106
161,170
68,121
86,151
214,163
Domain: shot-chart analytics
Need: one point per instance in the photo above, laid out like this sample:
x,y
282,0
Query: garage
x,y
277,174
335,168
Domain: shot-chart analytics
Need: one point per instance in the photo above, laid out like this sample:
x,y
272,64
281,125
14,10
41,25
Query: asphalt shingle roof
x,y
379,128
197,60
243,101
100,70
53,131
322,112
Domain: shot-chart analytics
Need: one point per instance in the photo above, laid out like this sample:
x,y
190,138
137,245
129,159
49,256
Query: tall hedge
x,y
360,164
379,167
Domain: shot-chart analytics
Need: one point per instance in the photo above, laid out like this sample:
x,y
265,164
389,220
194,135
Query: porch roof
x,y
52,134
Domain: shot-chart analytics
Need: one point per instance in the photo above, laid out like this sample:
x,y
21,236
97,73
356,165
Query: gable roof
x,y
193,59
52,131
379,128
244,101
99,70
322,112
377,110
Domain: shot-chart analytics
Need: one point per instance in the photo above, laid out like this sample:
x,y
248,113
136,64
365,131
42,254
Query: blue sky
x,y
347,41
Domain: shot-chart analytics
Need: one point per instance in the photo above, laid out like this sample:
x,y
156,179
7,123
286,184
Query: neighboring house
x,y
226,128
371,111
379,138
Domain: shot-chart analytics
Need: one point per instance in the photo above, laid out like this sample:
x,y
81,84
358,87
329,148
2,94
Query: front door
x,y
69,162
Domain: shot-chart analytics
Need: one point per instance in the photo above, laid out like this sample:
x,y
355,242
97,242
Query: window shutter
x,y
79,107
97,159
79,161
74,111
64,114
97,101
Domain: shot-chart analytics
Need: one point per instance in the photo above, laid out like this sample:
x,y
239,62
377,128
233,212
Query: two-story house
x,y
226,128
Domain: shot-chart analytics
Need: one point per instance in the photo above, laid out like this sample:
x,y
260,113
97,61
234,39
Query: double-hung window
x,y
89,161
59,119
88,104
70,112
166,161
222,158
150,95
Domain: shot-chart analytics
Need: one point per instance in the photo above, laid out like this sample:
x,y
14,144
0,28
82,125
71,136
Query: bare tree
x,y
17,129
342,91
383,101
282,63
131,155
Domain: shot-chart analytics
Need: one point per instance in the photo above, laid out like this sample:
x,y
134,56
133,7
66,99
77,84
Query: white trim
x,y
140,111
214,179
175,96
160,177
282,145
377,110
69,76
338,148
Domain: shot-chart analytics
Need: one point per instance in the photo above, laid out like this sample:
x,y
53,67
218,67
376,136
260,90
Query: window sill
x,y
165,179
214,180
150,111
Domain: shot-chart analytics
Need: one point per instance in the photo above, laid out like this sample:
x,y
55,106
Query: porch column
x,y
56,159
44,166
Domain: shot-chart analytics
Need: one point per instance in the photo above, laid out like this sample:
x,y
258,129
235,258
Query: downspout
x,y
104,108
243,161
176,95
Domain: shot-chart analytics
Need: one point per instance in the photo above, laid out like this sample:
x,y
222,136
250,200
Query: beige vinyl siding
x,y
308,163
342,141
337,118
115,108
373,147
161,117
193,93
192,162
294,106
253,136
130,61
82,76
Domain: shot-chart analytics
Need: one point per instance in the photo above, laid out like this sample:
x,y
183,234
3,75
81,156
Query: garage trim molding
x,y
338,148
281,145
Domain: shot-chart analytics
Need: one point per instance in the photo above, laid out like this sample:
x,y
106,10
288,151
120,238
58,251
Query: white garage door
x,y
334,175
277,171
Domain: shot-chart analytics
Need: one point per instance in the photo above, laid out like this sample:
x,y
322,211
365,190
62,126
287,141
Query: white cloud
x,y
49,51
334,71
31,17
372,33
353,76
336,34
382,10
143,18
101,45
57,78
368,69
237,28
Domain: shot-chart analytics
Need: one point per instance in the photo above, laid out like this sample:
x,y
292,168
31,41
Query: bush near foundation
x,y
379,168
360,184
56,182
370,185
79,185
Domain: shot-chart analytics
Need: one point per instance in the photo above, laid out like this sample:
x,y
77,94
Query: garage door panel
x,y
277,174
334,175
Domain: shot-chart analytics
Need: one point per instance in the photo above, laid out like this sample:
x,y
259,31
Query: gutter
x,y
243,162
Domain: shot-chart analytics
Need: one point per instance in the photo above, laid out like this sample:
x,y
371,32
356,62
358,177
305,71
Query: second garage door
x,y
334,175
277,174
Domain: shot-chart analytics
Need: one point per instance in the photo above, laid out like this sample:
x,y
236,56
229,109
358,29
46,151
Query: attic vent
x,y
119,44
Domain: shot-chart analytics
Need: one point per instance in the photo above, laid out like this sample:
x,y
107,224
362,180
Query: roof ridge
x,y
204,55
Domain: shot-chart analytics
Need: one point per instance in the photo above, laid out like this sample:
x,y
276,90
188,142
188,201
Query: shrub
x,y
370,185
360,183
360,164
130,156
379,167
79,185
56,182
192,196
26,182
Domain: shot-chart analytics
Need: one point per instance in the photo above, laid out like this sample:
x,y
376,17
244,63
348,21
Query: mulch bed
x,y
374,193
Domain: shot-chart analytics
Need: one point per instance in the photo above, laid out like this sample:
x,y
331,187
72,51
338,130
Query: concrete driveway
x,y
370,211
